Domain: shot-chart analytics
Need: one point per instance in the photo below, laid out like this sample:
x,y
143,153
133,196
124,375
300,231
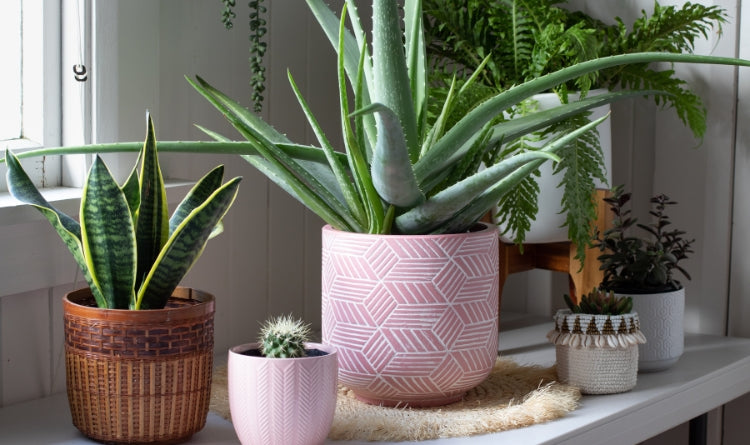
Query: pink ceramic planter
x,y
414,318
282,401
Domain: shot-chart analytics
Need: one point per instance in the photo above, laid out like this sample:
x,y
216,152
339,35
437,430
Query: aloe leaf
x,y
69,230
447,203
437,158
306,187
344,180
485,201
415,55
354,143
107,236
196,196
392,173
354,49
185,246
152,225
391,77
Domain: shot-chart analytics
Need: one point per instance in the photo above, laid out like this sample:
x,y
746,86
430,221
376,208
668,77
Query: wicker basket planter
x,y
139,376
597,353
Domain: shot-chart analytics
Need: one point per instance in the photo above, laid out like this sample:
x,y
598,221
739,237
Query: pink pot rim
x,y
239,349
486,228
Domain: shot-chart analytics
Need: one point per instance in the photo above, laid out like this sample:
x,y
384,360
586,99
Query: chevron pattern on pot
x,y
278,401
414,317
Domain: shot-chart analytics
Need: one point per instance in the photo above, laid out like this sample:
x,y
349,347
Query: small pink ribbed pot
x,y
414,317
282,401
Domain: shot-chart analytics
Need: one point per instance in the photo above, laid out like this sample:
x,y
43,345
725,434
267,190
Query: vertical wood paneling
x,y
24,334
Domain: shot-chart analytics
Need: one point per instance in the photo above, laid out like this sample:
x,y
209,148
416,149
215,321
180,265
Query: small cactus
x,y
284,337
600,302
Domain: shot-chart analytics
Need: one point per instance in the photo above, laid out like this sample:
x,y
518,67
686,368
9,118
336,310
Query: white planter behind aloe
x,y
548,227
662,322
597,353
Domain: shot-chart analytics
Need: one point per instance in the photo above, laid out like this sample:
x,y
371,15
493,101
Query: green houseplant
x,y
133,257
399,177
283,388
525,39
643,266
596,343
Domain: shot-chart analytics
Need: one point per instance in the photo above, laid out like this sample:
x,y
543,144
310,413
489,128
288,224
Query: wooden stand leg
x,y
559,257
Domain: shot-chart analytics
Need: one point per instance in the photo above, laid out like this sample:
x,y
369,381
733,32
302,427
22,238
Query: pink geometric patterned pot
x,y
414,317
282,401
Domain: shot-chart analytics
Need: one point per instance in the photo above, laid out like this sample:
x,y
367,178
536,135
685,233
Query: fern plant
x,y
526,39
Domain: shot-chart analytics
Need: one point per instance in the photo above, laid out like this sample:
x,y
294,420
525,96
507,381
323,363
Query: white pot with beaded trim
x,y
597,353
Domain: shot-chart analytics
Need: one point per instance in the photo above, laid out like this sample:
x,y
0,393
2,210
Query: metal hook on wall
x,y
80,73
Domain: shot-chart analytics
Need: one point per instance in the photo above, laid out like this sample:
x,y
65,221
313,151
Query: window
x,y
30,99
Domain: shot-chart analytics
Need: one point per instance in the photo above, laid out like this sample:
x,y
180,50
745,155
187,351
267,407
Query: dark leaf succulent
x,y
600,302
641,264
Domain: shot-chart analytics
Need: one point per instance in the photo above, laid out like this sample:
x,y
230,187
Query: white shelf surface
x,y
713,371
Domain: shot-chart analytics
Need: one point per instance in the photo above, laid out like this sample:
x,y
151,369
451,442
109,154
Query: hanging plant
x,y
258,46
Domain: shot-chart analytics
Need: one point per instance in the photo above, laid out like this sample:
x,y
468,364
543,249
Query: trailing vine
x,y
258,30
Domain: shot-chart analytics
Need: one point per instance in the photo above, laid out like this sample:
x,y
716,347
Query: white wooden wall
x,y
267,261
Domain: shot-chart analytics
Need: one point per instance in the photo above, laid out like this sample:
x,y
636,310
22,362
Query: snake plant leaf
x,y
196,196
131,190
152,224
392,173
109,244
184,246
69,230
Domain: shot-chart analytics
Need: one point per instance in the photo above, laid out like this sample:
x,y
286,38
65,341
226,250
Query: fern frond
x,y
581,165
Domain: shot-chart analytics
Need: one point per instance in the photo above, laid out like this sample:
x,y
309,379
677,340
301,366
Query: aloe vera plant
x,y
131,253
396,174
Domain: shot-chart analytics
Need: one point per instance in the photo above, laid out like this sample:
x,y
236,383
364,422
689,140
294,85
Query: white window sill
x,y
67,200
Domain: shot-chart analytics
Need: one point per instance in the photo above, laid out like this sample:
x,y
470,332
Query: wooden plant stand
x,y
559,257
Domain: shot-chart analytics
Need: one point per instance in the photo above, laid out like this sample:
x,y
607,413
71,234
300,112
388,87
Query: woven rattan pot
x,y
597,353
139,376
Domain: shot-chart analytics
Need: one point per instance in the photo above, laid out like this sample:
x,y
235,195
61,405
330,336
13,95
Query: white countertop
x,y
713,371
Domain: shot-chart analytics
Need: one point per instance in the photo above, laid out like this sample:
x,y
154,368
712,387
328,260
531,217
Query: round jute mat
x,y
513,396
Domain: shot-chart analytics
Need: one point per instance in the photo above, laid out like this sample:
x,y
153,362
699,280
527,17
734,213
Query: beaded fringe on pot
x,y
597,353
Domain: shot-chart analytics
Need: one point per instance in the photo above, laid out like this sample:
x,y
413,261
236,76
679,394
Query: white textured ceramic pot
x,y
597,353
662,322
548,226
282,401
414,317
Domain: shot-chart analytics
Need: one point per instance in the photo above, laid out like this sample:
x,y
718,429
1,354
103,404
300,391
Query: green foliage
x,y
258,46
284,337
637,264
526,39
131,254
386,87
599,302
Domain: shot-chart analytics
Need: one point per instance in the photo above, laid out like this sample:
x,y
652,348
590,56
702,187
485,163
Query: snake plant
x,y
396,174
131,253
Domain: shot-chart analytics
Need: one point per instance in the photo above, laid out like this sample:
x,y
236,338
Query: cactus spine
x,y
284,337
